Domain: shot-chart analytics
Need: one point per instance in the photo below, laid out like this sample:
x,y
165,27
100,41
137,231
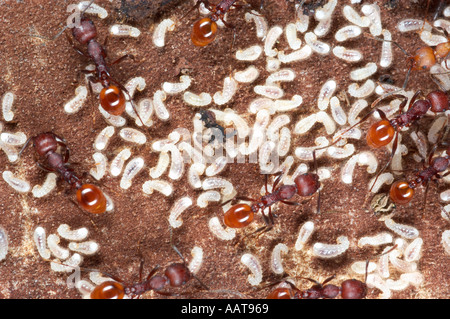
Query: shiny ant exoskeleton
x,y
204,30
112,96
349,289
241,215
89,196
402,191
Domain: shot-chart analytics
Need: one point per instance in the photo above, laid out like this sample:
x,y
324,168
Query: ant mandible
x,y
112,97
205,30
241,215
89,196
402,191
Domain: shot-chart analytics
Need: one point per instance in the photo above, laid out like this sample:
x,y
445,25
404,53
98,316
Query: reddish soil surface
x,y
44,74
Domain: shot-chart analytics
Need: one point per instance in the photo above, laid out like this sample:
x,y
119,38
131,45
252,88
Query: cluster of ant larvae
x,y
50,245
159,35
327,251
7,106
3,243
216,228
20,185
177,209
253,264
124,30
275,259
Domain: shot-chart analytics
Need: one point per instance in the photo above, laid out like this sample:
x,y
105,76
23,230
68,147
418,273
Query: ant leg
x,y
25,146
124,89
394,149
277,180
123,58
290,203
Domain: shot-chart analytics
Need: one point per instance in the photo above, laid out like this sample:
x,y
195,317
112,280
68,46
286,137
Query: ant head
x,y
204,32
45,143
353,289
307,184
439,101
178,274
85,32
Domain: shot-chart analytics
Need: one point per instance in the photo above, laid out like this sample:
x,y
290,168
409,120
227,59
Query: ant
x,y
402,191
349,289
112,97
175,275
241,215
209,120
89,196
205,30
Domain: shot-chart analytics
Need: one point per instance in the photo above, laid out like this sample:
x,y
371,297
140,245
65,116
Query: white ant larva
x,y
254,266
272,36
159,35
7,106
249,54
3,243
180,206
123,30
75,104
275,260
331,250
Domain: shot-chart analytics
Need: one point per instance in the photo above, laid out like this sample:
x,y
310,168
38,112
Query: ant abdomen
x,y
281,293
112,100
424,58
91,199
307,184
85,32
108,290
238,216
401,193
204,32
380,134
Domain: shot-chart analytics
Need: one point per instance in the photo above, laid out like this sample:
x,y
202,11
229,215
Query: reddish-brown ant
x,y
349,289
402,191
112,96
205,30
241,215
89,196
175,275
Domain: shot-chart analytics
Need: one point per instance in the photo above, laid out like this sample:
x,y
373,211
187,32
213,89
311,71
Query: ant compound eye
x,y
204,32
112,100
401,193
91,199
380,134
238,216
108,290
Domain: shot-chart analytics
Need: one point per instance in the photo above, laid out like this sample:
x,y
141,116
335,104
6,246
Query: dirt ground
x,y
43,76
